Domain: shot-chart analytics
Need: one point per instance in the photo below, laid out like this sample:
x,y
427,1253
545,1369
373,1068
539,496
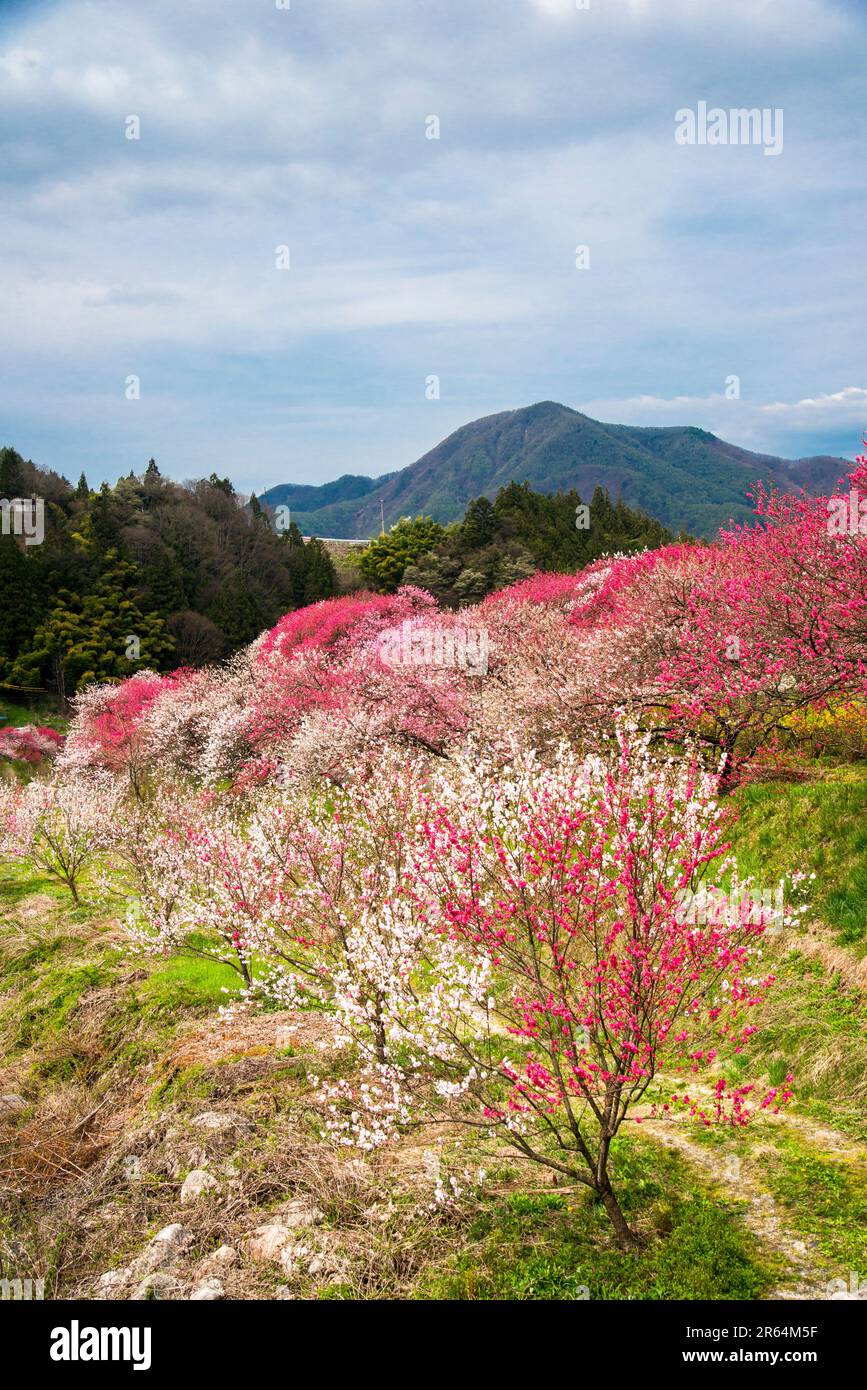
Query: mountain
x,y
685,477
304,497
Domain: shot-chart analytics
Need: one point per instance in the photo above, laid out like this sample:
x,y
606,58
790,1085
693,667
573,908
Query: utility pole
x,y
382,517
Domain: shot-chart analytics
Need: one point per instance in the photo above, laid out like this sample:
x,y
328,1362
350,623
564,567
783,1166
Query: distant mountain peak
x,y
686,477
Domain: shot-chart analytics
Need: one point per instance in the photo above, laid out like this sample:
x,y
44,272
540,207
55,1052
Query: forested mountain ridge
x,y
155,573
686,477
147,573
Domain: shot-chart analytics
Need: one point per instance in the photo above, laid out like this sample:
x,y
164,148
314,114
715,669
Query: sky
x,y
430,281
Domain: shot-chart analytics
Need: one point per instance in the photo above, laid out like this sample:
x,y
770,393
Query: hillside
x,y
685,477
147,573
261,833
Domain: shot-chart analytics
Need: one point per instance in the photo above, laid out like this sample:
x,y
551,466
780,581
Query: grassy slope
x,y
815,1020
24,714
84,1024
820,827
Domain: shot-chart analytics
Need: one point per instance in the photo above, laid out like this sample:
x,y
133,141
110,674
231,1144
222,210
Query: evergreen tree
x,y
104,523
384,560
101,636
479,524
18,587
11,475
320,580
222,485
257,512
163,580
239,611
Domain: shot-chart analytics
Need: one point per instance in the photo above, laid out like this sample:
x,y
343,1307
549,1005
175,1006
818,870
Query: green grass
x,y
826,1199
48,1006
191,983
18,881
193,1083
560,1247
811,1025
25,714
47,970
820,827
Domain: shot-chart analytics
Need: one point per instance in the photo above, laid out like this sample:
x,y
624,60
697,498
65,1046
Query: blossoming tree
x,y
60,826
510,954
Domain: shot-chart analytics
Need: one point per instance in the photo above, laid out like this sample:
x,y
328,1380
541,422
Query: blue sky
x,y
412,257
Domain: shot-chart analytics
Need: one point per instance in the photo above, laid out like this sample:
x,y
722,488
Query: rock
x,y
175,1238
195,1184
284,1293
300,1212
12,1104
267,1242
207,1292
110,1284
165,1248
325,1260
317,1262
294,1257
213,1119
224,1258
156,1286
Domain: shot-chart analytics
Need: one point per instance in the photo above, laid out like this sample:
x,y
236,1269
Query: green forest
x,y
148,573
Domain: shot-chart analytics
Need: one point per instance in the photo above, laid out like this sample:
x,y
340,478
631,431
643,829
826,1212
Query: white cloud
x,y
751,424
848,405
306,127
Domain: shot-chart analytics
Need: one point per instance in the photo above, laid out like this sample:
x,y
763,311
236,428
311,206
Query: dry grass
x,y
57,1144
93,1168
836,960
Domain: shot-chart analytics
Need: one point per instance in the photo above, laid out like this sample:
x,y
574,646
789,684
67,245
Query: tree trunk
x,y
379,1039
727,770
626,1237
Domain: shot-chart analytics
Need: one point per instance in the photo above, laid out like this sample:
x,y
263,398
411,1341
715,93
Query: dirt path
x,y
739,1177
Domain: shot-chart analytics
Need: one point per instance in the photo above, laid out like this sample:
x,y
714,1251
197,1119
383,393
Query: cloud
x,y
850,403
411,256
751,424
